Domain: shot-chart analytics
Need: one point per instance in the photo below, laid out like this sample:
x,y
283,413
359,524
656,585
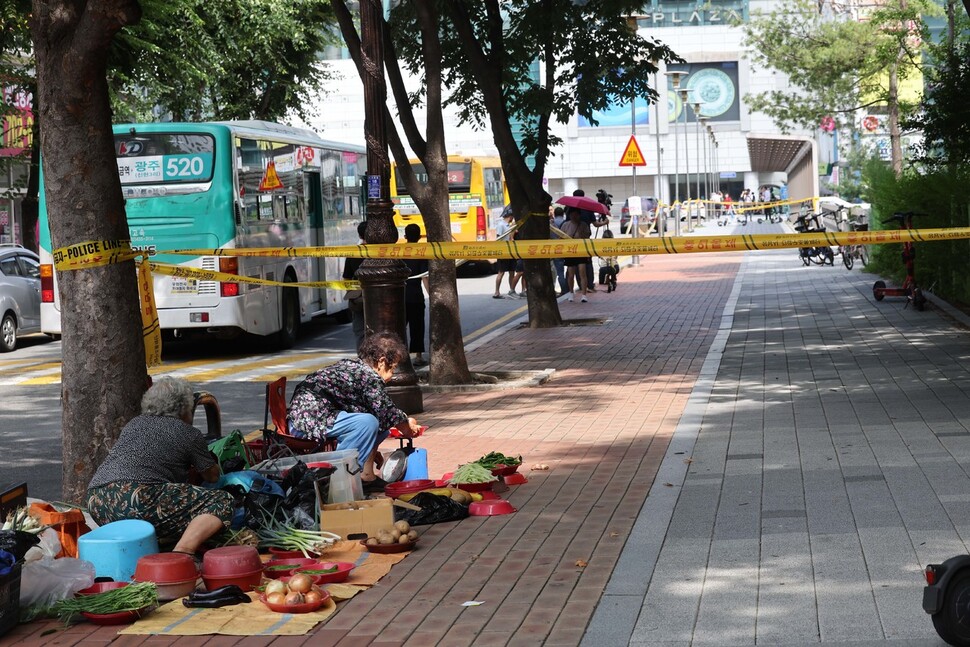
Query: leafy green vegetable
x,y
494,459
472,473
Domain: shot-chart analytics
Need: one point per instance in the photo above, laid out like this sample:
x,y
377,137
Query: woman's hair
x,y
382,345
168,396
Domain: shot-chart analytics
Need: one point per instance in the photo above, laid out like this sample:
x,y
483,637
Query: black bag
x,y
17,542
434,509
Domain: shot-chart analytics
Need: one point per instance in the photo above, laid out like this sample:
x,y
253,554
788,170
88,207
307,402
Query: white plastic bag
x,y
49,546
47,580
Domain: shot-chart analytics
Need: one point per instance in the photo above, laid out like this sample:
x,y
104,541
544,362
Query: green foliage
x,y
233,59
944,118
941,266
837,64
593,60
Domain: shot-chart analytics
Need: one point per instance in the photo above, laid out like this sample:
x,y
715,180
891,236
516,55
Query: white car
x,y
19,294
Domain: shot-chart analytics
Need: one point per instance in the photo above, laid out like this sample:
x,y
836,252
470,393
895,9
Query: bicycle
x,y
809,223
909,288
850,253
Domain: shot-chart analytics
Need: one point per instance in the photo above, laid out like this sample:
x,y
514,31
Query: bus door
x,y
314,199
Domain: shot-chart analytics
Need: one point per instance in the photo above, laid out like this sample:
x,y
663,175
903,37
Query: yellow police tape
x,y
100,253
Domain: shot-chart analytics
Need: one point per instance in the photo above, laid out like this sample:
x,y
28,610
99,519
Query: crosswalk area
x,y
243,368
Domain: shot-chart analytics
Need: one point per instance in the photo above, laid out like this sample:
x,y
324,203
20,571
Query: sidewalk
x,y
802,447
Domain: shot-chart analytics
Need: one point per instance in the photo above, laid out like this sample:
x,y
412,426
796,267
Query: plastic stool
x,y
114,548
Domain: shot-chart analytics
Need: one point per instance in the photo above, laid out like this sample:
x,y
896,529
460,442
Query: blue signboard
x,y
373,186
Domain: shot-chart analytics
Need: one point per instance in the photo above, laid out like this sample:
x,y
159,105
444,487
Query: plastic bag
x,y
48,580
302,495
434,509
17,542
69,524
48,546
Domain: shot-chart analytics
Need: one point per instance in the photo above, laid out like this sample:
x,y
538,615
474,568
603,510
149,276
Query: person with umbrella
x,y
588,208
574,227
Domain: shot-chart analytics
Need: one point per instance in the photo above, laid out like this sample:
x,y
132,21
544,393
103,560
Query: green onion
x,y
135,596
277,534
318,571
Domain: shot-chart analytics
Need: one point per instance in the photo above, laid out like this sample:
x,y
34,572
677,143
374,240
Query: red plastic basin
x,y
394,490
165,568
490,508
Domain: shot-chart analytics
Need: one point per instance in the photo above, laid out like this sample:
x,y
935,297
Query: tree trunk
x,y
525,187
103,374
449,365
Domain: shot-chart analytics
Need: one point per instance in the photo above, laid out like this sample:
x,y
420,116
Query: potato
x,y
387,539
371,541
396,534
402,526
403,539
412,535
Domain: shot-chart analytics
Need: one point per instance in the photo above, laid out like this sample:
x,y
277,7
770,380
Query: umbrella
x,y
582,202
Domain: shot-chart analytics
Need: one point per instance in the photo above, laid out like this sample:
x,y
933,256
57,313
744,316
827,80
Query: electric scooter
x,y
946,597
909,289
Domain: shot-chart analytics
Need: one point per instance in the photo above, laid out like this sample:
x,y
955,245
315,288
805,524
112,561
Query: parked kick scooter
x,y
909,288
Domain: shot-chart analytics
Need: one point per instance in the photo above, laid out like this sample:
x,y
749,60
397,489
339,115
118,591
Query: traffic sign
x,y
271,180
632,155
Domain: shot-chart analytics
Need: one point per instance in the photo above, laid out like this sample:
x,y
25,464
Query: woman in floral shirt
x,y
347,401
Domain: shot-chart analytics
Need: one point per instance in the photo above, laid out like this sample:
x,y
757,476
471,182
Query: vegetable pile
x,y
472,473
135,596
20,519
494,459
401,533
276,534
300,589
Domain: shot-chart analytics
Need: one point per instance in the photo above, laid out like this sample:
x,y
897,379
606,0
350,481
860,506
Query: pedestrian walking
x,y
559,264
504,265
414,298
576,266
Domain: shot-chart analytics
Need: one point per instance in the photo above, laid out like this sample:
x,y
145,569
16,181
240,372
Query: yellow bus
x,y
476,192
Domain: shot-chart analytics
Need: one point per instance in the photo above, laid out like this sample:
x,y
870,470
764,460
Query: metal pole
x,y
707,174
661,220
675,77
697,149
634,221
683,99
382,280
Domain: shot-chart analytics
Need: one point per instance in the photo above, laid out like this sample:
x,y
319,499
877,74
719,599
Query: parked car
x,y
19,294
648,211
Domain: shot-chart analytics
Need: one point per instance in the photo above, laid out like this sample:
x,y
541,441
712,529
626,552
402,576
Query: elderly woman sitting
x,y
144,476
347,401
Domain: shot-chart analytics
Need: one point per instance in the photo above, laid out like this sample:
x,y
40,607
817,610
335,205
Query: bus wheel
x,y
289,317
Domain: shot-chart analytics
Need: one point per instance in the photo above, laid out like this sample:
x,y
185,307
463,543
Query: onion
x,y
293,598
276,598
313,597
275,586
300,582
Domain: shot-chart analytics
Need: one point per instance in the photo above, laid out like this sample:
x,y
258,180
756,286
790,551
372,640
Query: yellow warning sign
x,y
632,155
270,179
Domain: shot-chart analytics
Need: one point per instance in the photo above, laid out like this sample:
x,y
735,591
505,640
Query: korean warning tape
x,y
101,253
535,249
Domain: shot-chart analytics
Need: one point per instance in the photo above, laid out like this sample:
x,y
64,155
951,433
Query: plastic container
x,y
340,575
273,569
490,508
345,483
515,479
388,548
116,547
417,465
120,618
175,574
395,490
10,599
504,470
239,565
475,487
296,608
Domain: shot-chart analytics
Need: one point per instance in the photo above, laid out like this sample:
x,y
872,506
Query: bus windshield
x,y
459,177
164,158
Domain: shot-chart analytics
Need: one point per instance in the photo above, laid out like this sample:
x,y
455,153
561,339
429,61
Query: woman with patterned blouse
x,y
145,474
348,401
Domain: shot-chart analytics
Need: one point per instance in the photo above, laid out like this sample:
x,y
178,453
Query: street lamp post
x,y
696,107
675,78
683,100
382,280
660,219
707,174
